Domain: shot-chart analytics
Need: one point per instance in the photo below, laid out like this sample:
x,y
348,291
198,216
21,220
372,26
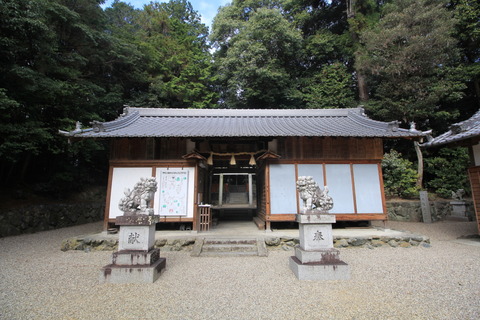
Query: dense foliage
x,y
399,176
446,171
65,61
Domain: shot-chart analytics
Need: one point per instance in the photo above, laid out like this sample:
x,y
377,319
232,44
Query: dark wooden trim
x,y
325,161
474,177
281,217
339,217
301,143
267,187
163,219
154,174
106,214
175,219
324,170
354,194
195,199
296,191
382,189
152,163
361,216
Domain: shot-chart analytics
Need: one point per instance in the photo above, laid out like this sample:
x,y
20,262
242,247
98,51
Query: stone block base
x,y
326,256
135,257
132,273
319,271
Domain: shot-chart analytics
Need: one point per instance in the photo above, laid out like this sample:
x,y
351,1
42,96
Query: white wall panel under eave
x,y
367,188
355,188
283,189
339,182
476,154
124,178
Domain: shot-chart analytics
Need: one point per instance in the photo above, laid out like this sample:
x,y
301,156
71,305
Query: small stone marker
x,y
459,207
136,260
316,258
425,205
459,211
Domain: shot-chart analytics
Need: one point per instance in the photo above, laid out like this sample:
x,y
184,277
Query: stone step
x,y
229,247
229,254
230,242
238,198
213,245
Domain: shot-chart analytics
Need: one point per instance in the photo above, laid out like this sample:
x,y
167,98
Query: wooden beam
x,y
106,216
339,217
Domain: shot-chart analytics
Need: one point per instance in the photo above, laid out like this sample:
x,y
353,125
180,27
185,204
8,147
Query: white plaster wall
x,y
123,178
476,154
368,193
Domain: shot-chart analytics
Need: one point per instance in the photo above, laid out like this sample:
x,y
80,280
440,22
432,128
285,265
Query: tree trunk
x,y
476,83
362,87
25,166
420,165
361,79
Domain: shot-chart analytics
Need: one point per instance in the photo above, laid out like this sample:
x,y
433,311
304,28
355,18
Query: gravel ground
x,y
38,281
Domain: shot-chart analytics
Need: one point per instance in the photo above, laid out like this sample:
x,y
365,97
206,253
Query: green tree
x,y
362,16
447,171
467,13
399,177
327,73
52,75
331,87
311,16
173,42
257,57
410,57
65,61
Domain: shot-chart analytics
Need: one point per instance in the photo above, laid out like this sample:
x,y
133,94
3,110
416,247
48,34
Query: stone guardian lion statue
x,y
314,199
137,201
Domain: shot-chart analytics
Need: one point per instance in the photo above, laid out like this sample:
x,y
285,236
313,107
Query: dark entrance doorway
x,y
234,194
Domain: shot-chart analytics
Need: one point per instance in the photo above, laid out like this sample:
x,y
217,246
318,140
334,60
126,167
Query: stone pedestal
x,y
316,258
136,261
459,211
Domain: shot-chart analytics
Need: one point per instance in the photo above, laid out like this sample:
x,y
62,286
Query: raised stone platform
x,y
315,257
137,261
319,271
276,240
133,267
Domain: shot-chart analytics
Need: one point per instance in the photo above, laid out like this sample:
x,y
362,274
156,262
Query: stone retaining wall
x,y
88,243
411,210
34,218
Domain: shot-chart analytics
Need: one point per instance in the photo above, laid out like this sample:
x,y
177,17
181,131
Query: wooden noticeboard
x,y
173,191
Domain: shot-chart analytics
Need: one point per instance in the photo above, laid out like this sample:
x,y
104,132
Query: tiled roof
x,y
155,122
467,129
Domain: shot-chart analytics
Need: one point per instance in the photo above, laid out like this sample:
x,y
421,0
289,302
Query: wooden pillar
x,y
250,190
474,175
220,190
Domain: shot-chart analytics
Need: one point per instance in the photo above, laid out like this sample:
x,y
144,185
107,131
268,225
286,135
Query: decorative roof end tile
x,y
97,126
393,126
456,128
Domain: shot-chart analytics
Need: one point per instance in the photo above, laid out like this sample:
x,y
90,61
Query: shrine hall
x,y
214,165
